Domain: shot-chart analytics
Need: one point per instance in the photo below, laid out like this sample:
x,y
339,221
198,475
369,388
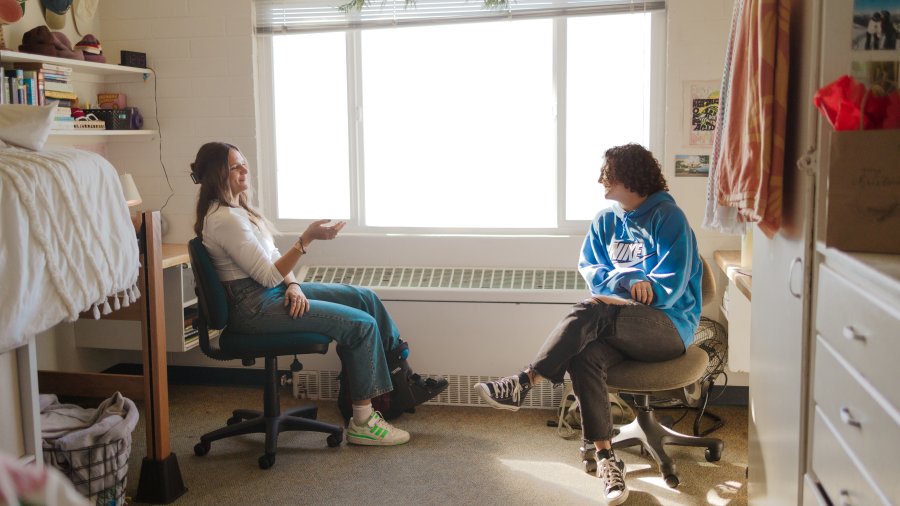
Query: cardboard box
x,y
863,200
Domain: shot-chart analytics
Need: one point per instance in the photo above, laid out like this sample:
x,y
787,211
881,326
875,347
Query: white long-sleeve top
x,y
238,248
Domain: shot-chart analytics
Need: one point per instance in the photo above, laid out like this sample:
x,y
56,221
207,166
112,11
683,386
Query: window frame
x,y
266,173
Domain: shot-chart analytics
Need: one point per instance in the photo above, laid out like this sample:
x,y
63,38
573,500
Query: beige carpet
x,y
457,455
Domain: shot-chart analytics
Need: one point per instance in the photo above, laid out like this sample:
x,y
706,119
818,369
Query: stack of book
x,y
20,87
40,84
57,88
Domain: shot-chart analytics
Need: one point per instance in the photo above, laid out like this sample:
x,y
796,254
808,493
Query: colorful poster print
x,y
691,165
701,110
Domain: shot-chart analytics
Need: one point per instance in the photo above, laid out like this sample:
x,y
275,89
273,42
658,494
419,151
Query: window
x,y
494,126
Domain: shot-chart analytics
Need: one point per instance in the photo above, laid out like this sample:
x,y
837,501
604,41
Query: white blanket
x,y
66,240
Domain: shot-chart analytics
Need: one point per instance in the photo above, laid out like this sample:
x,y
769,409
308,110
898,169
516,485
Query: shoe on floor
x,y
505,393
375,432
611,472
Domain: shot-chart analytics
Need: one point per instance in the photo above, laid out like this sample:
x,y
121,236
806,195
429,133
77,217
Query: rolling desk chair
x,y
678,378
231,345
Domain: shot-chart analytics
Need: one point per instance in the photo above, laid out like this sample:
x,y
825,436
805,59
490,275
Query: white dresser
x,y
854,420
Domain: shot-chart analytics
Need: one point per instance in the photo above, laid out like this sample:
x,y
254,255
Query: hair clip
x,y
194,178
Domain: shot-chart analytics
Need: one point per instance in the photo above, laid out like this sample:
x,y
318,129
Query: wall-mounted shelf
x,y
105,69
105,133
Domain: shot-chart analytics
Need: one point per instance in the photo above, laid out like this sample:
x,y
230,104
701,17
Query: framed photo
x,y
691,165
701,107
876,24
878,76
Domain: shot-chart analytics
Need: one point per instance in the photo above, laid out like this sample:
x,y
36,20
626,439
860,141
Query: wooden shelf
x,y
104,69
104,133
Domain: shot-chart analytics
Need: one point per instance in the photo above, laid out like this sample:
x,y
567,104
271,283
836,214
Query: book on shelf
x,y
60,102
49,67
58,86
67,95
62,123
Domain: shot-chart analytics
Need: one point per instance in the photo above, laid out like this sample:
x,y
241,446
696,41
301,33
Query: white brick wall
x,y
202,52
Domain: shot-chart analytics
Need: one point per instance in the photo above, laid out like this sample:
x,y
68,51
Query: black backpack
x,y
409,391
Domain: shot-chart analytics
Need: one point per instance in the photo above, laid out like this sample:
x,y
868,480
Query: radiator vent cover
x,y
446,277
323,385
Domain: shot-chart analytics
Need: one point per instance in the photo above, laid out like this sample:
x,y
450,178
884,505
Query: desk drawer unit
x,y
861,330
860,421
838,472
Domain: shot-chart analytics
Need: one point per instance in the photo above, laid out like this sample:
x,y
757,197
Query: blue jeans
x,y
593,338
353,317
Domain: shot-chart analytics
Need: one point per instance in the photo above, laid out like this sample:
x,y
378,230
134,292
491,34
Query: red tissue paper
x,y
844,101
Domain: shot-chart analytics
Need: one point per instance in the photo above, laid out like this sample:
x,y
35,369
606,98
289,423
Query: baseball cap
x,y
55,12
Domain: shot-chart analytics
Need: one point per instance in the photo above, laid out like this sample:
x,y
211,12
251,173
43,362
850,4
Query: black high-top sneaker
x,y
611,472
505,393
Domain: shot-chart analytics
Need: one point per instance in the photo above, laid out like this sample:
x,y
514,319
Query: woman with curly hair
x,y
641,263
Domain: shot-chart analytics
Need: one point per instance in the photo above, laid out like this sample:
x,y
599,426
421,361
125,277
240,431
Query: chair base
x,y
271,422
646,431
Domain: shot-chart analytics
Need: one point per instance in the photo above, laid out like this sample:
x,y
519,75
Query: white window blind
x,y
282,16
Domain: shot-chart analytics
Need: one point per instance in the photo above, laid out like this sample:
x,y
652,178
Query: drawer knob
x,y
847,417
851,334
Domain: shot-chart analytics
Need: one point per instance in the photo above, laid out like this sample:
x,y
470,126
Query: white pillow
x,y
26,126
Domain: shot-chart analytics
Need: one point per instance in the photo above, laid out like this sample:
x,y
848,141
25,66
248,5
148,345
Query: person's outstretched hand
x,y
318,230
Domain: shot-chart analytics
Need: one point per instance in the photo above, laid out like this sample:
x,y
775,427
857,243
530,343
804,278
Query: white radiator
x,y
466,324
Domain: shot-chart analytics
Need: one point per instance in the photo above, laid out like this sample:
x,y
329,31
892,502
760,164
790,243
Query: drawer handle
x,y
851,334
847,417
797,293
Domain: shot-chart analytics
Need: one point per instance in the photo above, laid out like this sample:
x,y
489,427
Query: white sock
x,y
361,413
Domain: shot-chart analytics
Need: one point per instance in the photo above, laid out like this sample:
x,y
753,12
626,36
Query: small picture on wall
x,y
691,165
879,76
701,103
875,25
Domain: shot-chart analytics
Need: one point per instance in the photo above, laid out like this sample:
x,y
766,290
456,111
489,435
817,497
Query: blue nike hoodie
x,y
652,243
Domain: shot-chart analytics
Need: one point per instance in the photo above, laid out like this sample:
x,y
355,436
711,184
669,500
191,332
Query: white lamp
x,y
132,197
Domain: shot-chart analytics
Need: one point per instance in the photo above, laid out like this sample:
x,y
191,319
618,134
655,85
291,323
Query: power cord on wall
x,y
159,132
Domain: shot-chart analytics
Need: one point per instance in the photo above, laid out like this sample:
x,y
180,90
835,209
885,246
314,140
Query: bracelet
x,y
299,246
293,283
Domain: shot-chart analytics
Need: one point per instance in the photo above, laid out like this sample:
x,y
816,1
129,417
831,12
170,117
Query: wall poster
x,y
701,103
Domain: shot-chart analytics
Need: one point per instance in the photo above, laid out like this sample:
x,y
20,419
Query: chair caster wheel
x,y
713,454
233,420
335,439
672,480
267,461
589,457
201,449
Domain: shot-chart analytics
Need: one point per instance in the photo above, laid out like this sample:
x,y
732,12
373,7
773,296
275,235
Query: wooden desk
x,y
174,254
730,263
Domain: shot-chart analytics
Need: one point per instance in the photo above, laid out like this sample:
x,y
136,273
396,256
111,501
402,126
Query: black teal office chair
x,y
681,378
213,315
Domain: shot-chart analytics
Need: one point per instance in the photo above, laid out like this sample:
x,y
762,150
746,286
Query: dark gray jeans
x,y
593,338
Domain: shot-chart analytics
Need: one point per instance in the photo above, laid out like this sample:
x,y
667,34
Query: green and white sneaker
x,y
375,432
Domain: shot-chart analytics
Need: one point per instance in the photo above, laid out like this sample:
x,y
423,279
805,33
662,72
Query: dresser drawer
x,y
842,480
862,331
862,423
